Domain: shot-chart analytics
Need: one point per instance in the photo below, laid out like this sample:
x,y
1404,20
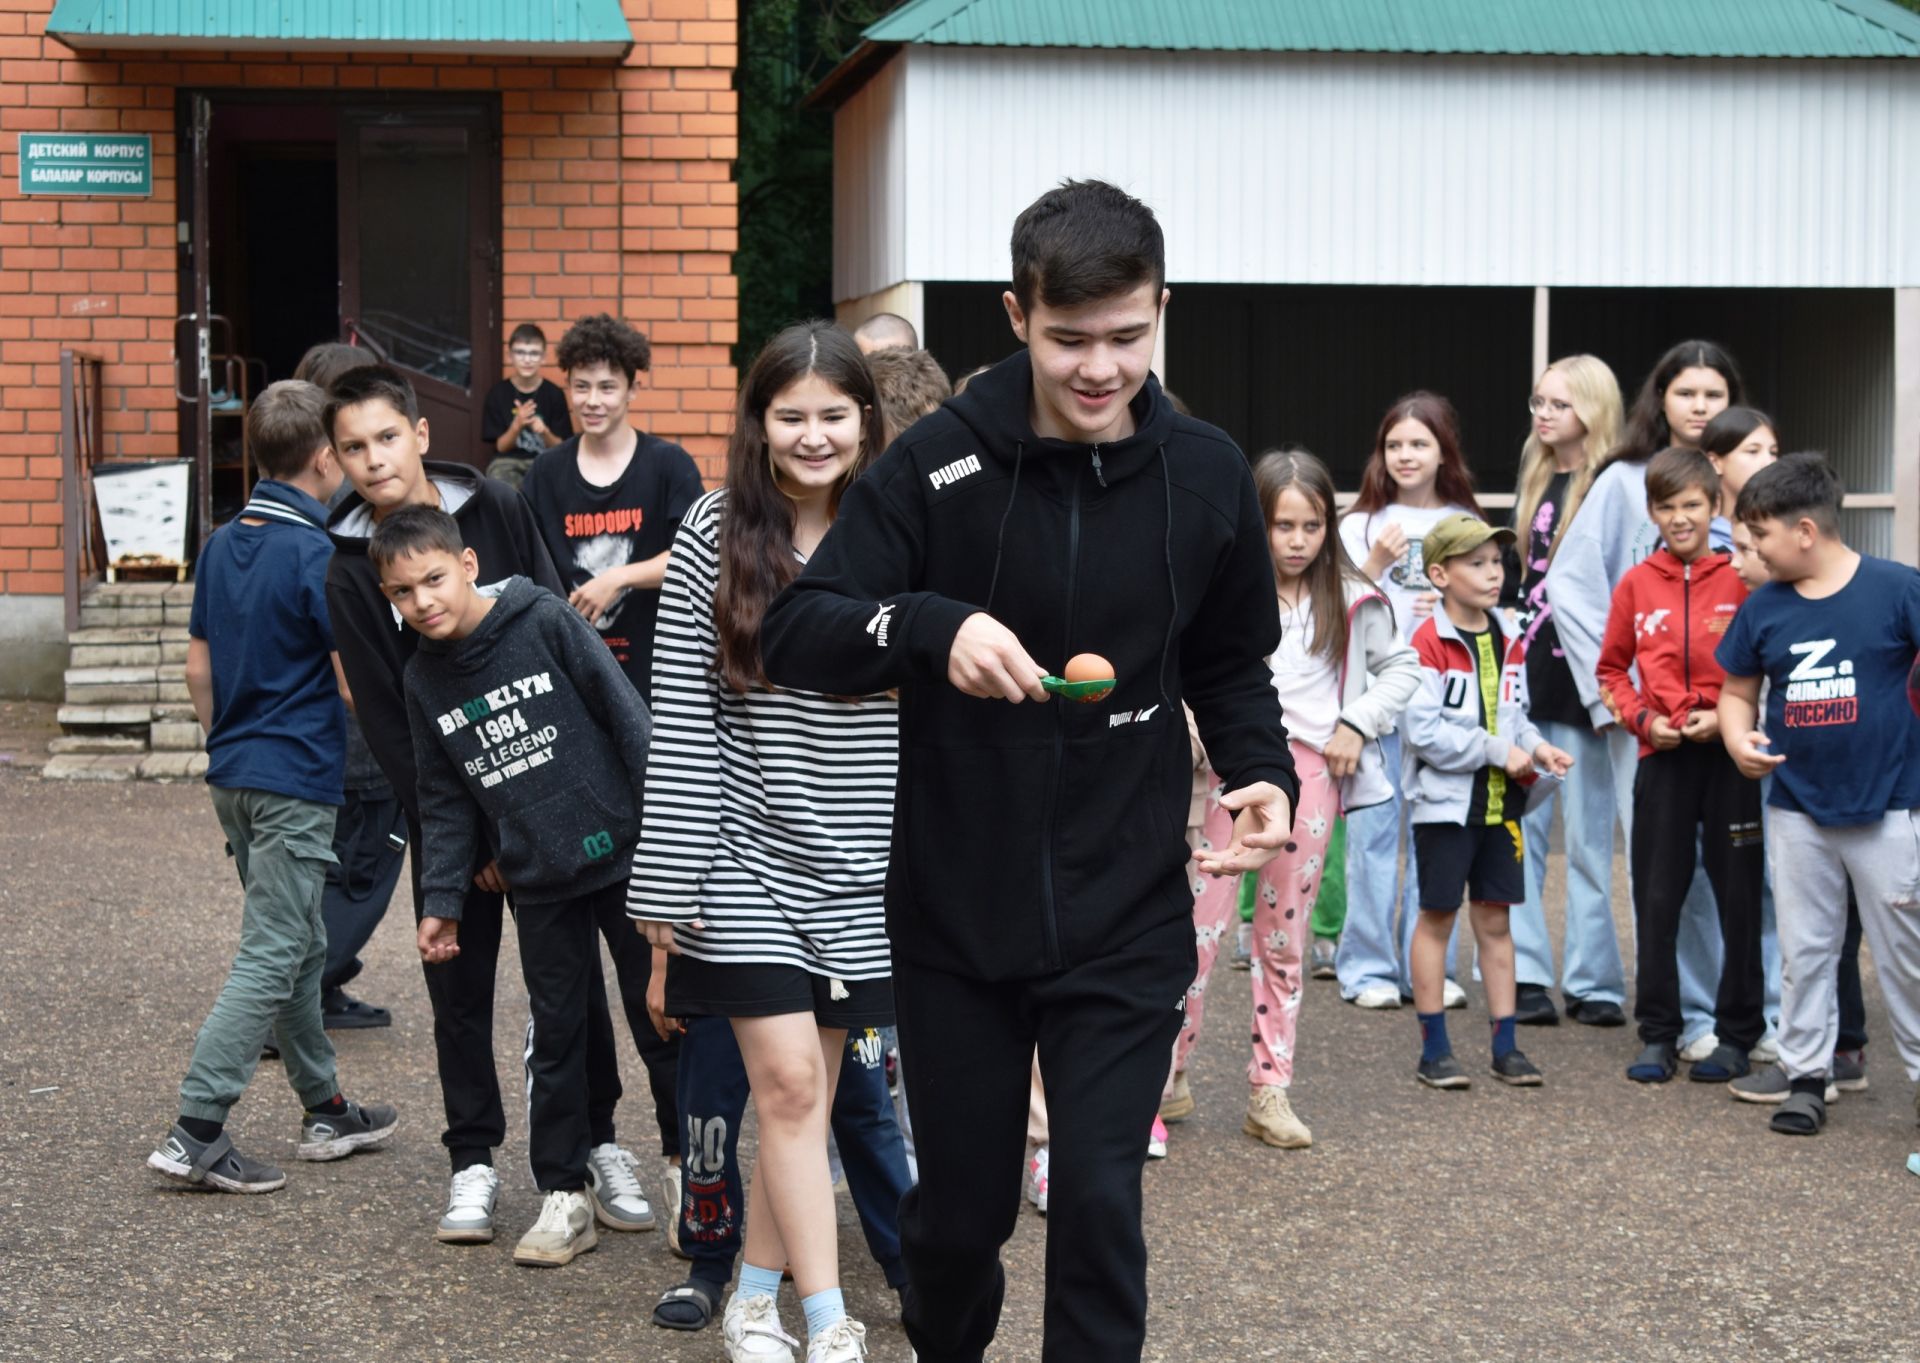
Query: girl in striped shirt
x,y
763,849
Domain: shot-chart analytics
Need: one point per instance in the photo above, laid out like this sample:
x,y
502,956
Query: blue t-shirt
x,y
1838,707
260,602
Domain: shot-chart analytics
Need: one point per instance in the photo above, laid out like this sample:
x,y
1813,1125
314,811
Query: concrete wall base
x,y
33,647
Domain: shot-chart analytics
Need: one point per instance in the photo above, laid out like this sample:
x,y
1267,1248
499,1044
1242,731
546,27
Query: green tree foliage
x,y
785,259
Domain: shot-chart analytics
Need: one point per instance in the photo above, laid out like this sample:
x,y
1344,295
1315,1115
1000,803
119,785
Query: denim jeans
x,y
1592,966
1374,948
1699,945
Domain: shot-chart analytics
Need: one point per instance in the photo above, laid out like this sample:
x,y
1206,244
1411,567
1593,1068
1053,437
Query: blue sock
x,y
1433,1036
758,1282
825,1309
1503,1036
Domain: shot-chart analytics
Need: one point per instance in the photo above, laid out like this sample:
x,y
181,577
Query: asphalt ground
x,y
1589,1219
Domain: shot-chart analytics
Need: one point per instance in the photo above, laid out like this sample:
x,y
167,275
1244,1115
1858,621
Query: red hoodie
x,y
1667,617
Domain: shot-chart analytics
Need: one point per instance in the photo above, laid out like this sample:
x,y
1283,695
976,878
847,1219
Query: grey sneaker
x,y
1770,1085
1514,1068
470,1201
213,1164
324,1136
1320,962
1850,1071
562,1234
618,1203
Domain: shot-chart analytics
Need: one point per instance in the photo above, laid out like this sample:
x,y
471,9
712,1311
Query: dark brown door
x,y
417,257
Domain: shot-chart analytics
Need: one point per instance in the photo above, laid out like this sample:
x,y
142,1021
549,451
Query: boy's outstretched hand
x,y
1262,819
438,940
1556,760
1748,753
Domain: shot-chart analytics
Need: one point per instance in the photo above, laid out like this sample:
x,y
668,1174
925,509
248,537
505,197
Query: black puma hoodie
x,y
497,524
1030,838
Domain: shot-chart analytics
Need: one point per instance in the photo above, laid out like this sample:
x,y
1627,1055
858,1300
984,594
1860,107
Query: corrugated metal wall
x,y
1401,170
870,187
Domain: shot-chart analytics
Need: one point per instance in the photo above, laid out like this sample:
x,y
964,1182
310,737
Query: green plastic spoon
x,y
1084,691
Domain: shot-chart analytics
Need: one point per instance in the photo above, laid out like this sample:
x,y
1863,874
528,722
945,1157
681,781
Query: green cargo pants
x,y
282,847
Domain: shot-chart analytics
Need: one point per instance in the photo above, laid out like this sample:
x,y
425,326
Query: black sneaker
x,y
213,1164
1726,1062
1596,1013
1444,1073
341,1011
1514,1068
1533,1007
327,1136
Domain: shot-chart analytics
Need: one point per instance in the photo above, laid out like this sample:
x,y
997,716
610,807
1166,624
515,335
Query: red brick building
x,y
425,190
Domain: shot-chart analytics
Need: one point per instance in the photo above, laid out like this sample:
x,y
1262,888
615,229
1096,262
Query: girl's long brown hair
x,y
1647,432
1452,482
1273,473
756,531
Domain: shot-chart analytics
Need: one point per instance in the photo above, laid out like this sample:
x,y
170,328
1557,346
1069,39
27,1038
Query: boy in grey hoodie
x,y
521,717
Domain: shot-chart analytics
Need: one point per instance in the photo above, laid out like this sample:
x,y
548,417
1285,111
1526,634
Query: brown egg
x,y
1085,667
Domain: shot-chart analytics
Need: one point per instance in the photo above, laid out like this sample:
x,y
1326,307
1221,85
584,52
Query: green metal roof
x,y
559,28
1574,28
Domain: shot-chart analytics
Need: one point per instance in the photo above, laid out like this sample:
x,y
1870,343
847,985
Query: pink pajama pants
x,y
1288,885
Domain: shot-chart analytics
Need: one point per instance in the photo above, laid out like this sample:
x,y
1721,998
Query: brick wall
x,y
617,194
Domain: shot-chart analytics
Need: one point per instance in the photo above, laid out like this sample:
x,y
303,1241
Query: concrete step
x,y
76,767
90,717
172,766
97,745
173,735
134,646
112,685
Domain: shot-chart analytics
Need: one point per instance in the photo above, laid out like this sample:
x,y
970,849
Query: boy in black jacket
x,y
524,729
374,421
1059,503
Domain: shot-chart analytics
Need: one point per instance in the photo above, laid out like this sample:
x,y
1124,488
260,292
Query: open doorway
x,y
372,220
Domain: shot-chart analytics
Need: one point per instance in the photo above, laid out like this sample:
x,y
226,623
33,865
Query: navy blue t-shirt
x,y
1838,707
260,602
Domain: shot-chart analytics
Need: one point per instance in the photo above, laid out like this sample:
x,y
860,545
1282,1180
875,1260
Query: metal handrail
x,y
83,546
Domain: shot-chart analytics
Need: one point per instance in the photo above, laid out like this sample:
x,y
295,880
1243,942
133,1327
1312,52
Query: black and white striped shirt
x,y
767,816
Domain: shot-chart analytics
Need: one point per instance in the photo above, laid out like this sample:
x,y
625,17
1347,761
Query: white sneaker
x,y
1379,996
670,1207
1453,996
750,1328
1766,1050
562,1234
1035,1182
470,1202
618,1203
845,1341
1695,1051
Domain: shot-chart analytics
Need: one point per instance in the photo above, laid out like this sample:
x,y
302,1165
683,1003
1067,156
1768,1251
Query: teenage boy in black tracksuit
x,y
373,419
1037,892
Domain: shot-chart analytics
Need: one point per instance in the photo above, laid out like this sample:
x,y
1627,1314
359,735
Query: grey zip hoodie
x,y
529,722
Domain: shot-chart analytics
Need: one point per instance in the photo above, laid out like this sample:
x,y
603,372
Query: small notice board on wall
x,y
119,165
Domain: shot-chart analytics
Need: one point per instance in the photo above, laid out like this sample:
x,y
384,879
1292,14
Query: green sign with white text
x,y
116,164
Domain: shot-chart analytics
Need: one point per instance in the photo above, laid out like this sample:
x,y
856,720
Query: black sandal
x,y
691,1296
1802,1114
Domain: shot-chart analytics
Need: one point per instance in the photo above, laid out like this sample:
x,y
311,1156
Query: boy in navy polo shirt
x,y
1835,632
265,683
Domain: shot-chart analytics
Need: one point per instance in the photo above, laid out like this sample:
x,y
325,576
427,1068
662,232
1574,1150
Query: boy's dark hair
x,y
413,530
1677,468
910,383
604,339
323,364
1085,241
1792,486
527,331
284,428
371,383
